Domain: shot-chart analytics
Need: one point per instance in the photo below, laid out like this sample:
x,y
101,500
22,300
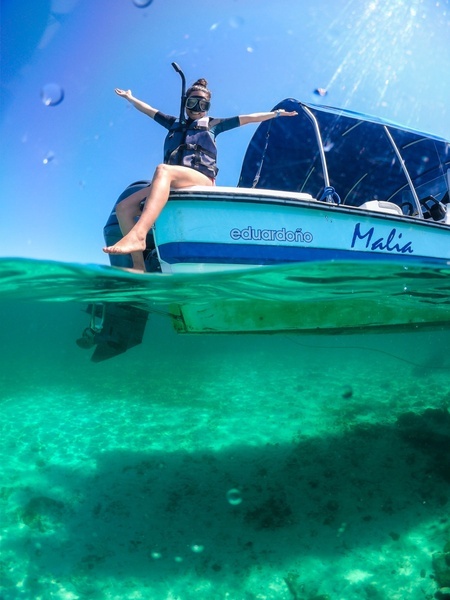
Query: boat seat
x,y
382,206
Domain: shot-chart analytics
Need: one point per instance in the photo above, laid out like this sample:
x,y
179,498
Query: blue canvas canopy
x,y
361,159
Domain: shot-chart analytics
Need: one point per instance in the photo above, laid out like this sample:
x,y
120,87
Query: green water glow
x,y
115,476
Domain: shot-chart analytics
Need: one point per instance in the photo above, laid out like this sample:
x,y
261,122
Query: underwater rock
x,y
42,513
443,594
293,584
441,566
347,393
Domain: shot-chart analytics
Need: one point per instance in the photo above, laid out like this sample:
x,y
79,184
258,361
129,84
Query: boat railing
x,y
406,173
329,194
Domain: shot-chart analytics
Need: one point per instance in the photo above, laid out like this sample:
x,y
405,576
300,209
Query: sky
x,y
70,146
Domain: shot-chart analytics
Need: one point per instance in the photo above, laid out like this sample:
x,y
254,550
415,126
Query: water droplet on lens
x,y
50,156
52,94
234,497
142,3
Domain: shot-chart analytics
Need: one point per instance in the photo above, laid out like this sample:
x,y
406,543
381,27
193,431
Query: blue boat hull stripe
x,y
252,254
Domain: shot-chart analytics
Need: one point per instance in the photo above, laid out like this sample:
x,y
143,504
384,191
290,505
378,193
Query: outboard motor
x,y
115,326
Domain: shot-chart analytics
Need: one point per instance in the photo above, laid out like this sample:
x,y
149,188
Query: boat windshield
x,y
361,161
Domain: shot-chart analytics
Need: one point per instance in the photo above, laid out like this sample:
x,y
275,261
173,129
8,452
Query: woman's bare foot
x,y
128,244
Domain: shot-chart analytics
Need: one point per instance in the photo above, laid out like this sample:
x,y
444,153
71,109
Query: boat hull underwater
x,y
321,188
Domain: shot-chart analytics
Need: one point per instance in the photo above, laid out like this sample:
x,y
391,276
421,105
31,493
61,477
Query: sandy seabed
x,y
280,468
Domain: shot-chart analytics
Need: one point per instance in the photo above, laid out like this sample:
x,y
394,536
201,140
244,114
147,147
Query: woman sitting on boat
x,y
190,157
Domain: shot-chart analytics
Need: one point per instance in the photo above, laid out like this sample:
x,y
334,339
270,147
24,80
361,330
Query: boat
x,y
326,185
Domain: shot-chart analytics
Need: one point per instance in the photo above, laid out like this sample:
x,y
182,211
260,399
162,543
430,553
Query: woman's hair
x,y
200,85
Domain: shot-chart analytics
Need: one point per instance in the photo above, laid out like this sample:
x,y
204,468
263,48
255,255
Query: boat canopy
x,y
365,158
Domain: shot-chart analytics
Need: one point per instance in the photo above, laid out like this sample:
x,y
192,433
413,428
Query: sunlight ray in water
x,y
366,36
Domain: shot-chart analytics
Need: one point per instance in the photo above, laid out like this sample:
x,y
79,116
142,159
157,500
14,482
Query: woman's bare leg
x,y
166,176
127,211
130,208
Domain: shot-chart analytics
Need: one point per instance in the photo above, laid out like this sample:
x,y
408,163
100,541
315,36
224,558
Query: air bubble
x,y
234,497
52,94
142,3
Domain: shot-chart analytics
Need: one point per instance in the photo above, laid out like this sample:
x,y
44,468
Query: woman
x,y
189,159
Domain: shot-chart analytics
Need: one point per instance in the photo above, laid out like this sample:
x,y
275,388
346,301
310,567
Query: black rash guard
x,y
193,144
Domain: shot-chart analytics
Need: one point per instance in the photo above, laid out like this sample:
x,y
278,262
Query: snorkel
x,y
183,91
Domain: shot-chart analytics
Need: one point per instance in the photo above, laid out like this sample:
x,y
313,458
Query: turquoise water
x,y
281,466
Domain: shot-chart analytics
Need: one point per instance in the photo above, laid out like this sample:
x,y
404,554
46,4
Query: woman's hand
x,y
285,113
142,106
124,93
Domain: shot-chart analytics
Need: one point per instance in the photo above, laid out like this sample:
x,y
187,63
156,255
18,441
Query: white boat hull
x,y
215,229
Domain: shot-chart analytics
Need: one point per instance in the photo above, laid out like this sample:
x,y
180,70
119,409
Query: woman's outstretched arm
x,y
265,116
142,106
